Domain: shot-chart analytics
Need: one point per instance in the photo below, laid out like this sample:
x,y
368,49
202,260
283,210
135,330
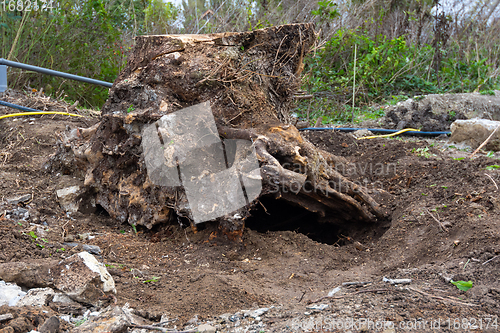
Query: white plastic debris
x,y
396,281
334,291
10,293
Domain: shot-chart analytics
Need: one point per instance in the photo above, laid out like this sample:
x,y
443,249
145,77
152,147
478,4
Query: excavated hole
x,y
281,216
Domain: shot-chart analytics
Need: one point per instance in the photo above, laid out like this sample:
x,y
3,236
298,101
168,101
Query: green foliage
x,y
422,152
152,280
327,10
389,67
77,37
462,285
159,16
493,167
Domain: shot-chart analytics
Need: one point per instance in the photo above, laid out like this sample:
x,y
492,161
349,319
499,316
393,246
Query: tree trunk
x,y
248,81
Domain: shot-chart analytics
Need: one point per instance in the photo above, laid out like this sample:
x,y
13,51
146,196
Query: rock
x,y
10,293
33,274
22,198
255,313
361,133
318,307
37,297
475,131
51,325
112,320
69,198
82,278
302,124
92,249
436,112
204,328
5,317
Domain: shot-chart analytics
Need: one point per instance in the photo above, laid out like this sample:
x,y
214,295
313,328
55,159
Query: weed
x,y
462,285
490,154
134,228
130,108
493,167
422,152
152,280
457,158
79,322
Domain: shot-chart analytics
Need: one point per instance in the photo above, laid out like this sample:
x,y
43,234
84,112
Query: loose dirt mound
x,y
437,112
171,270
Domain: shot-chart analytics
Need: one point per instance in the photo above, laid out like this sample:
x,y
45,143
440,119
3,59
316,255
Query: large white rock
x,y
475,131
82,278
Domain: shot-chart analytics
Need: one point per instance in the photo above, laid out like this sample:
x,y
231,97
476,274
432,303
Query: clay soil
x,y
444,225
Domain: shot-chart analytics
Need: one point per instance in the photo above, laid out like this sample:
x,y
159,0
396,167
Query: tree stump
x,y
248,81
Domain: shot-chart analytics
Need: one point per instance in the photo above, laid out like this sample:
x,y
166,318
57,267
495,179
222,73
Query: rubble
x,y
473,132
82,278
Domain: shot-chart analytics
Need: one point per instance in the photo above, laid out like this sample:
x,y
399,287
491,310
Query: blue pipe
x,y
374,130
55,73
19,107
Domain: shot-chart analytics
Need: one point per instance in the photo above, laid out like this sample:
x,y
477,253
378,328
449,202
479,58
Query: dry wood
x,y
250,79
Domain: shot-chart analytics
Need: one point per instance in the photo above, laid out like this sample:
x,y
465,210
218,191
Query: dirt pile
x,y
437,112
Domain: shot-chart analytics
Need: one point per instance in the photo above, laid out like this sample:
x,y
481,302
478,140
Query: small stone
x,y
22,198
68,198
255,313
51,325
204,328
318,307
92,249
5,317
361,133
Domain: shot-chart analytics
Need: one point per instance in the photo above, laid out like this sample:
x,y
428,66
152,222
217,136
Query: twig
x,y
485,142
492,180
487,261
441,225
298,97
302,296
441,298
351,294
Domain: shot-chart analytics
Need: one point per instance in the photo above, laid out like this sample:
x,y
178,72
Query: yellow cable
x,y
38,113
389,135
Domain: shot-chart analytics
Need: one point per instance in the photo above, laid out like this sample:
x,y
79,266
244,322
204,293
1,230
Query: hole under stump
x,y
281,215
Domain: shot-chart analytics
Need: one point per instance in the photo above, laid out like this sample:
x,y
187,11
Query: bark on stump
x,y
249,79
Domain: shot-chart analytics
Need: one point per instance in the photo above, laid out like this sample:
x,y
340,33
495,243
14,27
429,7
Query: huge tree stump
x,y
249,80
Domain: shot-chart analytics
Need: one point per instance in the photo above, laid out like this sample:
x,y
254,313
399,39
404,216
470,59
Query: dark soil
x,y
287,256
